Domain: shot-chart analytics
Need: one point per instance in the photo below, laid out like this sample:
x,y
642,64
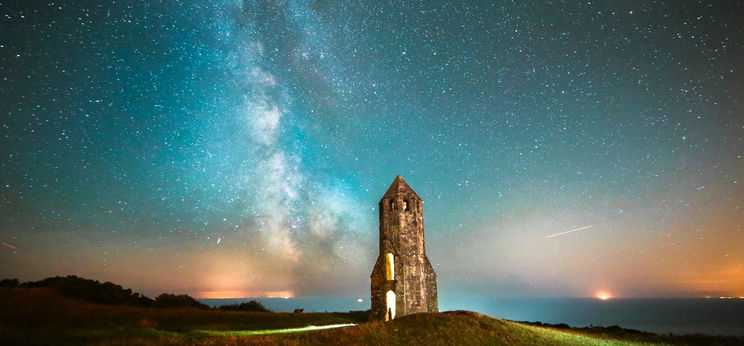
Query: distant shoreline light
x,y
221,294
242,294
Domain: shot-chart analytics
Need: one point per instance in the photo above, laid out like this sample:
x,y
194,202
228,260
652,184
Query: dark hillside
x,y
43,316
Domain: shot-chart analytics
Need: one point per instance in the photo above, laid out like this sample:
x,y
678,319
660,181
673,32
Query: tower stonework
x,y
403,281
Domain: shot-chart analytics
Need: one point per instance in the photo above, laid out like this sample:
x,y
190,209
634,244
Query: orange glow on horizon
x,y
222,294
603,295
242,294
279,294
726,281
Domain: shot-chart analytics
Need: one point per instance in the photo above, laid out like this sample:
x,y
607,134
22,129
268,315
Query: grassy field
x,y
41,316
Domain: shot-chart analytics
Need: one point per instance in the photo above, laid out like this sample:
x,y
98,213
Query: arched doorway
x,y
389,305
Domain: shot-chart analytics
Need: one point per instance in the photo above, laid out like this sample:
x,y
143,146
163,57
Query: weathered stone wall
x,y
402,234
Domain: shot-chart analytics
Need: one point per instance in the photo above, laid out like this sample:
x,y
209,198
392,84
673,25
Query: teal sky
x,y
240,148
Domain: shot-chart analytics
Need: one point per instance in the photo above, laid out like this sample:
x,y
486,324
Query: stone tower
x,y
403,280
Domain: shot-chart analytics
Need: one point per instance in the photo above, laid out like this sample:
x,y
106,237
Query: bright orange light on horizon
x,y
279,294
242,294
222,294
603,295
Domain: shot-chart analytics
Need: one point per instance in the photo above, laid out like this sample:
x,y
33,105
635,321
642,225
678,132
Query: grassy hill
x,y
470,328
40,315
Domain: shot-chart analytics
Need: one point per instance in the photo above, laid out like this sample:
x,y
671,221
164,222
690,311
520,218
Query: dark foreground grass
x,y
41,316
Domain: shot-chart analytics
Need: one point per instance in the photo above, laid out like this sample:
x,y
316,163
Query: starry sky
x,y
239,148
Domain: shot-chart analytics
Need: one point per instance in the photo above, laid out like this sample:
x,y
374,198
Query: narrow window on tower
x,y
389,266
392,204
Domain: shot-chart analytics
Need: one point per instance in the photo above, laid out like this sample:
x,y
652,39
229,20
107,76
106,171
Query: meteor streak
x,y
571,231
8,245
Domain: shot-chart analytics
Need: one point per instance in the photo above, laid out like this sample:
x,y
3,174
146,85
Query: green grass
x,y
39,316
469,328
447,329
275,331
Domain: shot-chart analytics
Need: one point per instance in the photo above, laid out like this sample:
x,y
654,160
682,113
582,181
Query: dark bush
x,y
167,300
92,291
9,283
248,306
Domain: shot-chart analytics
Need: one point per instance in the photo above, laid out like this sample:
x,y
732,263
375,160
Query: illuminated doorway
x,y
390,305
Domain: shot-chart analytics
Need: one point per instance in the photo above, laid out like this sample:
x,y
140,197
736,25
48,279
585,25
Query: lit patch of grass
x,y
276,331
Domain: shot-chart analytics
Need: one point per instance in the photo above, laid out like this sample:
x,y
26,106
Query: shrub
x,y
247,306
167,300
92,290
9,283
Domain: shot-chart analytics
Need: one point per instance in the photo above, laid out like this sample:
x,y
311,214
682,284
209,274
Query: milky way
x,y
240,148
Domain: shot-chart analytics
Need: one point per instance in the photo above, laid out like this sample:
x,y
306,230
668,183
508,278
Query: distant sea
x,y
678,316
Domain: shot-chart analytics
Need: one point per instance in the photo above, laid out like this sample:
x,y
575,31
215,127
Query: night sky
x,y
239,149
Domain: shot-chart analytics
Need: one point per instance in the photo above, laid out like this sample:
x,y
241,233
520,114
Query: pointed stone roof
x,y
399,187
